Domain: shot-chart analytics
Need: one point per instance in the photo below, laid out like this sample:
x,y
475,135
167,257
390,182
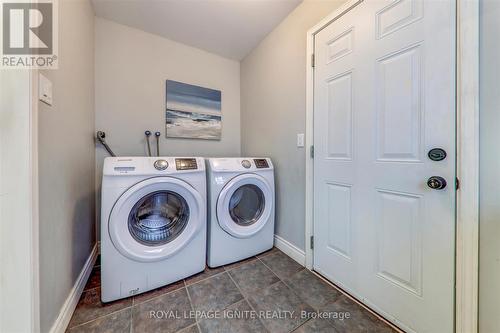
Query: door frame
x,y
24,314
34,201
34,198
467,146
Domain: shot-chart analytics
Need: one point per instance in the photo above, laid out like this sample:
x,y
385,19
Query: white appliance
x,y
241,208
153,223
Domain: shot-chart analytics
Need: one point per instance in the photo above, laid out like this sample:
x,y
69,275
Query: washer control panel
x,y
261,163
186,164
161,165
246,164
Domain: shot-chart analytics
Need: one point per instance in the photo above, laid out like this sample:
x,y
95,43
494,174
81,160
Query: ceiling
x,y
230,28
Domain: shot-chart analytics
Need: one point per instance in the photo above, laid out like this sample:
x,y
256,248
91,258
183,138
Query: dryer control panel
x,y
153,166
244,164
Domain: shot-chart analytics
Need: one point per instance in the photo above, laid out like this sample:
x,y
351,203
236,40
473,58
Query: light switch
x,y
300,140
45,90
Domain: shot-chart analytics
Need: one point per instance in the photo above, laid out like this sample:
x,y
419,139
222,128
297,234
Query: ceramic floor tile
x,y
271,251
312,289
253,276
239,263
215,293
168,313
282,265
283,308
190,329
360,320
208,272
115,322
219,289
316,326
237,318
90,307
94,279
157,292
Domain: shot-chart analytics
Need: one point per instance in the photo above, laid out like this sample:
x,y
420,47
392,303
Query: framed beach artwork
x,y
193,112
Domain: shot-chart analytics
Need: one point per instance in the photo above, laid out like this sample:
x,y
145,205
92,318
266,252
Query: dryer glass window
x,y
246,205
158,218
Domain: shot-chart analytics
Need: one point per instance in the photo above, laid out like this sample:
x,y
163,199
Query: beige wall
x,y
489,216
273,83
131,69
67,161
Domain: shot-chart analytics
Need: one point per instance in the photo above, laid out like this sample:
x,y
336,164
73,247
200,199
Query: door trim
x,y
467,241
34,202
467,143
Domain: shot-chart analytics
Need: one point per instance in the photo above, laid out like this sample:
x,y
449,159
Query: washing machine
x,y
241,208
153,223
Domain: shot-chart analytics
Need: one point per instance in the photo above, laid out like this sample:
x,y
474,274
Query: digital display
x,y
186,164
261,163
124,169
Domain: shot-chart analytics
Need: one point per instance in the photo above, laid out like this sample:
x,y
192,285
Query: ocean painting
x,y
193,112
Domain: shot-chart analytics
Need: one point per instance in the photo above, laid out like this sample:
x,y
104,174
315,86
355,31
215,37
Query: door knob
x,y
436,183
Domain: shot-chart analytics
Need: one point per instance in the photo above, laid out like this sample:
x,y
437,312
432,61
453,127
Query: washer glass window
x,y
158,218
246,204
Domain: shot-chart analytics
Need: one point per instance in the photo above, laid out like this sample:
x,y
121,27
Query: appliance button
x,y
161,164
246,164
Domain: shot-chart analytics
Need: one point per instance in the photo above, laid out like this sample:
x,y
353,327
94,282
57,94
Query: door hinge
x,y
312,243
457,183
311,151
312,60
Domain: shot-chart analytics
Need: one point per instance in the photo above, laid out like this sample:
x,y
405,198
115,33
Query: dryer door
x,y
156,218
245,205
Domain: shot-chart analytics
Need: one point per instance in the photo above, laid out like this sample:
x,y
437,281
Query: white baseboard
x,y
290,250
71,302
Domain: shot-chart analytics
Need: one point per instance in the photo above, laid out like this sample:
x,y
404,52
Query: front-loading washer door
x,y
245,205
155,218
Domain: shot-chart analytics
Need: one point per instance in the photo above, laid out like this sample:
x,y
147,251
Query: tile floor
x,y
259,290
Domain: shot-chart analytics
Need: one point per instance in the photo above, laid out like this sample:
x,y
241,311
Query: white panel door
x,y
384,96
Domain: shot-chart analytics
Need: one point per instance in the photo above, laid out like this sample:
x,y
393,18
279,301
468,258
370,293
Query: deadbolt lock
x,y
436,183
437,154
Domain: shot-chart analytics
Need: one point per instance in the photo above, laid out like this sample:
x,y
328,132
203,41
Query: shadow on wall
x,y
82,247
101,153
